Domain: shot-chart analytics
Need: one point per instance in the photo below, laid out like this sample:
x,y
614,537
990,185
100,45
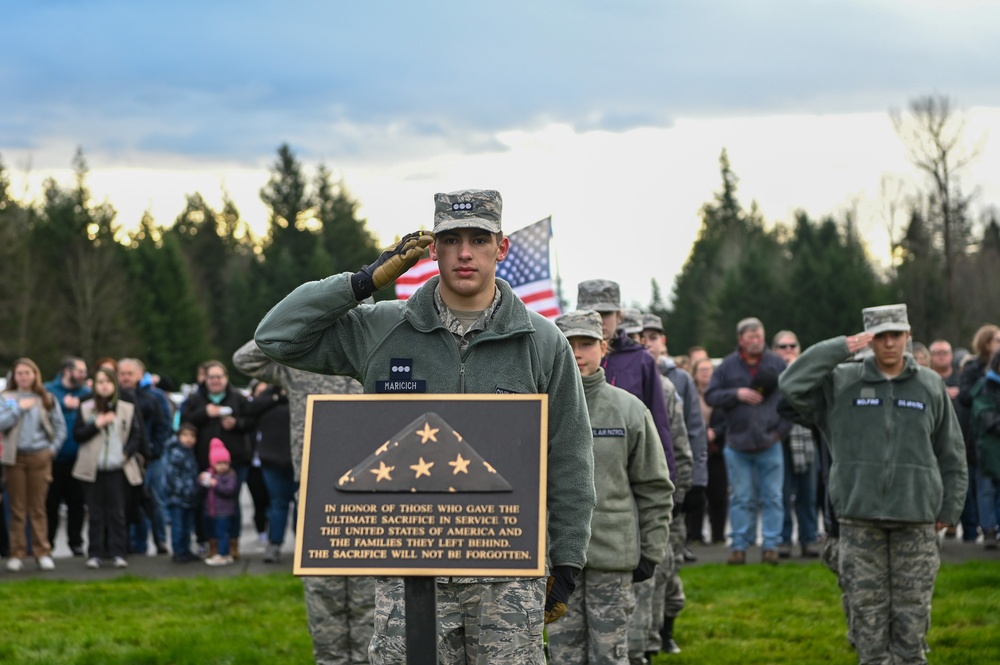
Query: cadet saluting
x,y
464,331
898,476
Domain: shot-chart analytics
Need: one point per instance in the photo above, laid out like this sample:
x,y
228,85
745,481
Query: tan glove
x,y
392,263
557,591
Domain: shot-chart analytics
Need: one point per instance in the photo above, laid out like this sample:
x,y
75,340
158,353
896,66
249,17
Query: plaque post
x,y
420,595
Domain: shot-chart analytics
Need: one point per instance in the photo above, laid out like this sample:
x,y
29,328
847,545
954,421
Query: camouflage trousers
x,y
888,572
594,629
662,596
478,622
341,613
831,557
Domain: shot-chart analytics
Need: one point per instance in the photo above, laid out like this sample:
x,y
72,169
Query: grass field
x,y
746,615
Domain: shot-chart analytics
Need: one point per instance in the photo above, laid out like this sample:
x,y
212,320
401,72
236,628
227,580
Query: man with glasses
x,y
799,491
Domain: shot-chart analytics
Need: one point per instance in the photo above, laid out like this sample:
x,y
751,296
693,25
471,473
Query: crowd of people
x,y
887,441
115,454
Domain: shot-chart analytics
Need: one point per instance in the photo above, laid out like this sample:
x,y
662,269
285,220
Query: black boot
x,y
667,637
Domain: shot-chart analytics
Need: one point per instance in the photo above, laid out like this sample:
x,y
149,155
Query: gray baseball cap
x,y
600,295
652,322
885,317
631,321
468,209
581,323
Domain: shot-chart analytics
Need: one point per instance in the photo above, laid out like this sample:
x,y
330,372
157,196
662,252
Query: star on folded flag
x,y
422,468
427,433
382,472
460,465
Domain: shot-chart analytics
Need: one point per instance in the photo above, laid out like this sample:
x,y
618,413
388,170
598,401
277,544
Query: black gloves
x,y
644,570
561,583
392,263
694,500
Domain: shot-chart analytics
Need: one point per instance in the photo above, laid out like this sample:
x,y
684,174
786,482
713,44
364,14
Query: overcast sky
x,y
403,99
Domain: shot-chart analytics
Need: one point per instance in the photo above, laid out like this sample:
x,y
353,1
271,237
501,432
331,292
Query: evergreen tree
x,y
753,287
921,284
16,273
82,293
346,239
196,232
717,250
170,319
830,280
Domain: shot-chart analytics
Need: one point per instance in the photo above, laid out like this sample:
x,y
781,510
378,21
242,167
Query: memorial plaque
x,y
443,485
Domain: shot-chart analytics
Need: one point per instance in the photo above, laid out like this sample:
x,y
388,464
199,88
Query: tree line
x,y
814,276
174,295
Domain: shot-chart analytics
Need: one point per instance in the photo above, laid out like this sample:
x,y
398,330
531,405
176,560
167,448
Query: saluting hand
x,y
392,263
858,341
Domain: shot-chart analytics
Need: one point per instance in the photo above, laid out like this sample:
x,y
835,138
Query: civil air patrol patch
x,y
608,432
401,378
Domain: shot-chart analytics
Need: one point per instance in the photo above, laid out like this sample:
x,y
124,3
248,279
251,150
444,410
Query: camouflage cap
x,y
601,295
581,323
652,322
631,321
468,209
885,317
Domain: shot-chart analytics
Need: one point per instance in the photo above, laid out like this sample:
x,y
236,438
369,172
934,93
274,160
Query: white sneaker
x,y
93,562
14,565
219,560
120,562
46,563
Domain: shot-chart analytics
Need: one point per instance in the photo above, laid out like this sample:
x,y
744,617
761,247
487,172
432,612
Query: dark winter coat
x,y
236,440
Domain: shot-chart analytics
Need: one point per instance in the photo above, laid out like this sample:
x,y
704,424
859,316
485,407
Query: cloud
x,y
234,79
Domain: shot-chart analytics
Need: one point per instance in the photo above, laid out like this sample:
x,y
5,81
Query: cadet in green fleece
x,y
898,476
629,532
462,332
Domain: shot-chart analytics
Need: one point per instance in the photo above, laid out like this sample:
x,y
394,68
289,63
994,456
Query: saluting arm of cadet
x,y
802,382
318,327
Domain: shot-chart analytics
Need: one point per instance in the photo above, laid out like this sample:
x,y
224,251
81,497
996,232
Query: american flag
x,y
526,269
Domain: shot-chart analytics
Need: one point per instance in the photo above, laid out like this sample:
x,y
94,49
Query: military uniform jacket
x,y
632,516
320,327
896,446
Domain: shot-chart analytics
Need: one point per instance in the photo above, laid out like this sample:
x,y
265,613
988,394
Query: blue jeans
x,y
281,488
222,528
989,500
181,526
801,486
139,531
755,478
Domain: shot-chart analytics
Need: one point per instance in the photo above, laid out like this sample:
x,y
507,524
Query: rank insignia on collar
x,y
401,378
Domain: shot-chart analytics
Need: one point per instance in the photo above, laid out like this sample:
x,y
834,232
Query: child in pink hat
x,y
220,499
